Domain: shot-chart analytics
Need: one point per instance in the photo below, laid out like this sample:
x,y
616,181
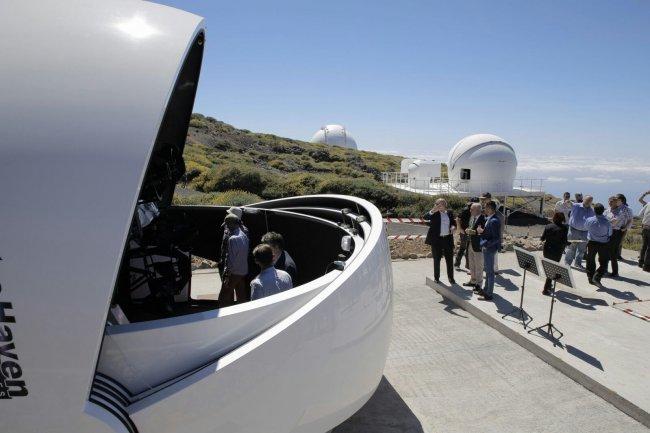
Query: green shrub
x,y
381,195
228,177
226,198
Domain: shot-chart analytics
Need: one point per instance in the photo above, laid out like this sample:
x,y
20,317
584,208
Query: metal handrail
x,y
455,186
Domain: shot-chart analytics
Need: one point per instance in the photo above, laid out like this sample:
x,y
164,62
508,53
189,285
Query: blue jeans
x,y
488,265
576,250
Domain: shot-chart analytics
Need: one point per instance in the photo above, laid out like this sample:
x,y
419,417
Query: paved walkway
x,y
449,372
600,340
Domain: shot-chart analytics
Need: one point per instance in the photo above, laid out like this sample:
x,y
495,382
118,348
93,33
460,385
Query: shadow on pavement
x,y
626,296
634,281
385,412
451,308
507,285
584,356
575,300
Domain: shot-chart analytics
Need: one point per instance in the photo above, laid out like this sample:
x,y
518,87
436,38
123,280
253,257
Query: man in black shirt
x,y
282,259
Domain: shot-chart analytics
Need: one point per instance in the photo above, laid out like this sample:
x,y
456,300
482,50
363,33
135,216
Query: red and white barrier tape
x,y
405,220
406,237
630,311
635,314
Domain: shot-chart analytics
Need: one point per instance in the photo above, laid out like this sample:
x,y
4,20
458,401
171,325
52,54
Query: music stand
x,y
559,274
528,262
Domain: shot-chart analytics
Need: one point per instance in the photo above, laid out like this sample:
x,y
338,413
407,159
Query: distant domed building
x,y
334,135
482,163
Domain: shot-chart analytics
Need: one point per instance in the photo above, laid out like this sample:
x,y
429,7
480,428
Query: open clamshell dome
x,y
334,135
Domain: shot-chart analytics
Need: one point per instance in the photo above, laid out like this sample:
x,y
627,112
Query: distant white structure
x,y
482,163
404,165
334,135
423,172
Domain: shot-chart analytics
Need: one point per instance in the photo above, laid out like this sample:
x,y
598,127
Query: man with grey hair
x,y
440,237
475,254
580,212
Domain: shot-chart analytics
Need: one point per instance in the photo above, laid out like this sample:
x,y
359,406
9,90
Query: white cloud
x,y
597,180
556,179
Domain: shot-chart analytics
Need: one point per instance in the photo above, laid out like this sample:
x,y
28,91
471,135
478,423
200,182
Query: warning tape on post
x,y
405,220
405,237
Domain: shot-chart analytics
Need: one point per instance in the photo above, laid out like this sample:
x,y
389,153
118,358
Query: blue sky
x,y
555,78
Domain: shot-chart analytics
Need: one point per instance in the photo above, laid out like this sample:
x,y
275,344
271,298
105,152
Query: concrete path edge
x,y
571,372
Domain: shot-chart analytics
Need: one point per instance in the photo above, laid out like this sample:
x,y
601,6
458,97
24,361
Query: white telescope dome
x,y
334,135
482,163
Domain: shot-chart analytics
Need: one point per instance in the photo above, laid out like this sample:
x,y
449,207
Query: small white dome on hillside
x,y
482,163
334,135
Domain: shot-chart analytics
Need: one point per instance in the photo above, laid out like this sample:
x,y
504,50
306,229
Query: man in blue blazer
x,y
490,244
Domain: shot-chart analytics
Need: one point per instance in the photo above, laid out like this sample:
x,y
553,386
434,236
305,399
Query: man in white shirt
x,y
644,256
440,236
564,205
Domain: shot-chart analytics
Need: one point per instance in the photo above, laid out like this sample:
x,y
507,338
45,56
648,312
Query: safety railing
x,y
461,186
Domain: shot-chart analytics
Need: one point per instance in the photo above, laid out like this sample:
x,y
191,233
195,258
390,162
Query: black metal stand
x,y
522,313
550,328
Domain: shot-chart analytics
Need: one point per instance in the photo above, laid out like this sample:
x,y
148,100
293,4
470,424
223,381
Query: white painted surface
x,y
307,373
84,85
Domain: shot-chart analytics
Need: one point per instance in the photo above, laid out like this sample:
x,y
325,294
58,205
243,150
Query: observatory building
x,y
478,163
482,162
334,135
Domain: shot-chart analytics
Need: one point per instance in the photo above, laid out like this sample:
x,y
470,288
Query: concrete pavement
x,y
449,372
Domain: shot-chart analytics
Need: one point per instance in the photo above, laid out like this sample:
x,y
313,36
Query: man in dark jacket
x,y
440,236
491,244
281,258
555,241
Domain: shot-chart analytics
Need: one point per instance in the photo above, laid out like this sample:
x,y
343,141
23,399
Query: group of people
x,y
582,229
481,233
579,229
277,268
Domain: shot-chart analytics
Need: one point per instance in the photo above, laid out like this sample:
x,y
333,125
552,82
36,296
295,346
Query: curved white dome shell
x,y
490,162
334,135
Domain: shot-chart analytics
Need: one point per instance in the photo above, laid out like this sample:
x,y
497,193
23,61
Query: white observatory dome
x,y
482,163
334,135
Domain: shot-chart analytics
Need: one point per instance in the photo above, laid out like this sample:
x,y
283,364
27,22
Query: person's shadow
x,y
626,296
384,412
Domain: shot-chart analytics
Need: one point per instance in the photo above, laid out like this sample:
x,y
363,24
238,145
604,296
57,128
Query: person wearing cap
x,y
234,262
238,212
270,280
580,212
281,258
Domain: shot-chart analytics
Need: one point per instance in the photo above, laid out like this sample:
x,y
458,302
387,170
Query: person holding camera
x,y
440,237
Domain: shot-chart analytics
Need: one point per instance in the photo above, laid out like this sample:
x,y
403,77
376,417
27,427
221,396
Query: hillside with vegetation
x,y
230,166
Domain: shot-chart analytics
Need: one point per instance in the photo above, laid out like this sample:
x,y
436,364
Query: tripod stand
x,y
550,328
522,313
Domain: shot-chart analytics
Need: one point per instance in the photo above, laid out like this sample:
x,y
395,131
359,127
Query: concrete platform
x,y
604,348
449,372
